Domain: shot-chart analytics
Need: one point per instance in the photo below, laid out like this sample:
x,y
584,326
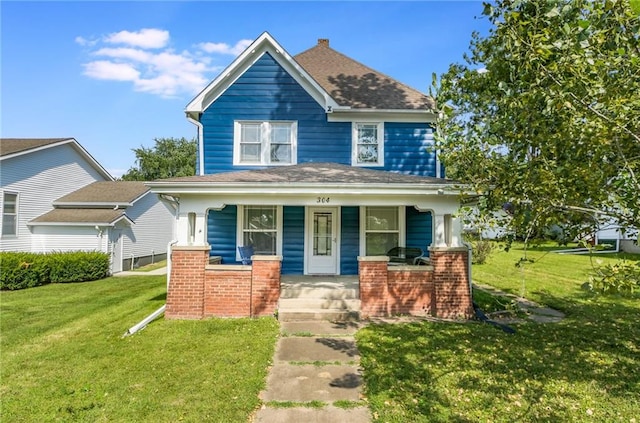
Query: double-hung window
x,y
9,214
265,143
368,144
382,229
261,227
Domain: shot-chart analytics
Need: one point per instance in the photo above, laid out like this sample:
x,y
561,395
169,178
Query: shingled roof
x,y
106,193
81,217
350,83
17,145
310,173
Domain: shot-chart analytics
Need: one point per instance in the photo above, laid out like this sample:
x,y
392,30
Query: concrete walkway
x,y
535,311
160,271
314,361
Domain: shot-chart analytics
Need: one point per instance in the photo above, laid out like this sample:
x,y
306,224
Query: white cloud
x,y
145,38
153,68
482,70
224,48
85,42
102,69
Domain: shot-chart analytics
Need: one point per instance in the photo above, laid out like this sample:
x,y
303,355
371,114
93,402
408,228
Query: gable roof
x,y
104,194
352,84
265,43
14,147
335,81
81,217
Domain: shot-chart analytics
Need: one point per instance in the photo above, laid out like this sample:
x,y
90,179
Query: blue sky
x,y
115,75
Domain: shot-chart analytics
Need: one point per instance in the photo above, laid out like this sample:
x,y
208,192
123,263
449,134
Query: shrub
x,y
482,249
622,278
25,270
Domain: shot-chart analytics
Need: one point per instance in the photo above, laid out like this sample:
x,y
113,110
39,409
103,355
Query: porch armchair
x,y
245,253
406,255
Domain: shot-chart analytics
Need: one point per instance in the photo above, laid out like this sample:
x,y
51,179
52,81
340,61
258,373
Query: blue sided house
x,y
314,158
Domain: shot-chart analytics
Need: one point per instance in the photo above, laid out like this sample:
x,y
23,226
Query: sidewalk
x,y
535,311
160,271
315,362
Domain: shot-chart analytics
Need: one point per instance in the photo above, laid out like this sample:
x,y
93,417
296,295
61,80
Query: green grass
x,y
585,368
152,266
64,358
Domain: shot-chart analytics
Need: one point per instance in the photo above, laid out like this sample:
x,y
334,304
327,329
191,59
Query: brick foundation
x,y
198,290
440,290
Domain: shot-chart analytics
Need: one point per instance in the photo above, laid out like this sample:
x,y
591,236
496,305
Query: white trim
x,y
354,143
391,115
308,238
265,134
200,127
14,235
402,225
265,43
240,227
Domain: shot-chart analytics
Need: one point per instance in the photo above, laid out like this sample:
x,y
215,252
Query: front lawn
x,y
64,358
586,368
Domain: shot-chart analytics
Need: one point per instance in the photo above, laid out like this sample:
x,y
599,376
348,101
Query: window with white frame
x,y
382,229
265,143
9,214
368,144
261,227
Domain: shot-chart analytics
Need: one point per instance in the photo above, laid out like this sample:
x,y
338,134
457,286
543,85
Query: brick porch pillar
x,y
265,285
185,296
452,292
372,273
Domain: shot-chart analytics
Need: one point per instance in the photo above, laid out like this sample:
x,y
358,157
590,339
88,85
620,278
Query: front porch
x,y
199,290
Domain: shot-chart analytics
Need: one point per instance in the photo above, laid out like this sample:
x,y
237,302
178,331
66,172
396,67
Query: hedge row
x,y
26,270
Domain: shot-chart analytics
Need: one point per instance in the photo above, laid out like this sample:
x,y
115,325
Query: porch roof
x,y
310,175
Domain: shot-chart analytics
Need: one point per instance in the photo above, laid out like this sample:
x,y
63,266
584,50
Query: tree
x,y
169,158
544,116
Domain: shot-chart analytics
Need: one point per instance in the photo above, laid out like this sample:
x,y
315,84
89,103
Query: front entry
x,y
322,241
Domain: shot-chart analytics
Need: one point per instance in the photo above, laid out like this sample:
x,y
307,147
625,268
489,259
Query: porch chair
x,y
245,253
406,255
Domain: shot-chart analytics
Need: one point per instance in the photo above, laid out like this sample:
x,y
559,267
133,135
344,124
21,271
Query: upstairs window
x,y
9,214
265,143
368,144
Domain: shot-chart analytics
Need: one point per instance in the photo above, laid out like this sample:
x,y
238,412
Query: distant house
x,y
57,197
322,165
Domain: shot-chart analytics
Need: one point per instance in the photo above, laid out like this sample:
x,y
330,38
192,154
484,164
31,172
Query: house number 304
x,y
323,200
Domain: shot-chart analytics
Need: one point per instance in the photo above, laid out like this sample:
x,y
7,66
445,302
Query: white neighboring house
x,y
56,197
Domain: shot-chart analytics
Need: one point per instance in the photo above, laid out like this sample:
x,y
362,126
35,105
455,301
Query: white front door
x,y
322,241
115,246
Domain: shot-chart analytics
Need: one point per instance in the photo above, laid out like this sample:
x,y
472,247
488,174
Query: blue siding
x,y
406,148
349,240
221,233
419,229
266,92
293,241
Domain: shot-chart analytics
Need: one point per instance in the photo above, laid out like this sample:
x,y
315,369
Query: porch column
x,y
185,294
265,285
447,230
452,290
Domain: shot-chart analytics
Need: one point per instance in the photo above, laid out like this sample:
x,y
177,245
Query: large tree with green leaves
x,y
545,113
169,158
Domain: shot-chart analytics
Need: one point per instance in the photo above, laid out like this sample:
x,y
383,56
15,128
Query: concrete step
x,y
296,291
333,315
319,303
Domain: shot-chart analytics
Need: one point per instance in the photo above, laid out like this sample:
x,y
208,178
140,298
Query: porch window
x,y
382,229
9,214
265,143
368,144
261,228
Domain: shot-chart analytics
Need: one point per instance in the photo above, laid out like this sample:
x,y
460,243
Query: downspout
x,y
200,143
153,316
